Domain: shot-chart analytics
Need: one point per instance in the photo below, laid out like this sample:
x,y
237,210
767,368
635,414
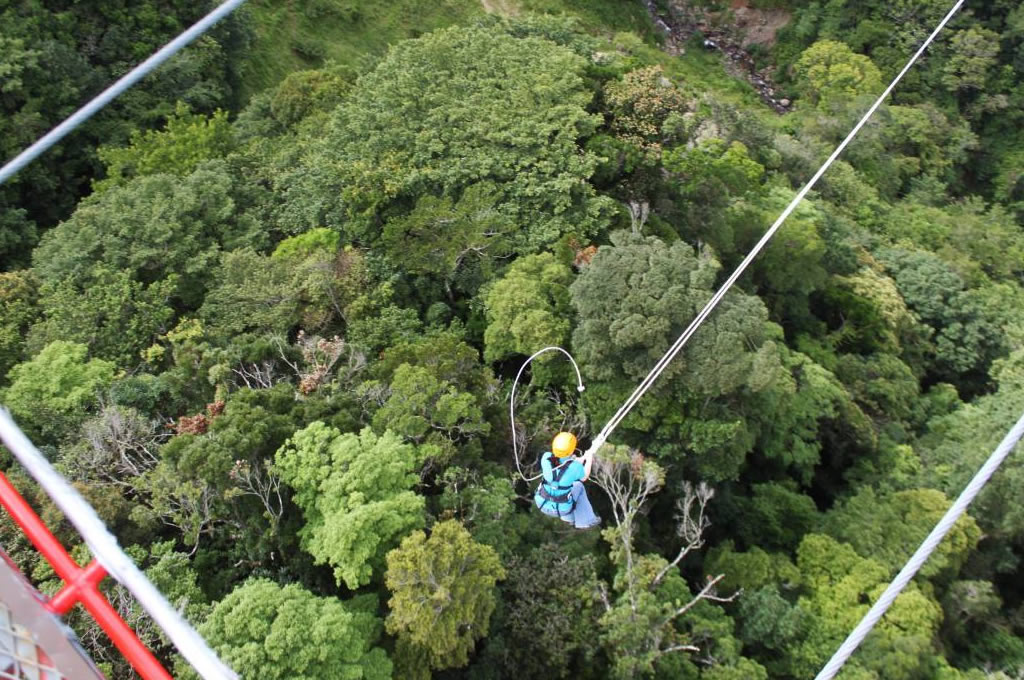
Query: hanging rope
x,y
512,402
678,345
102,99
918,559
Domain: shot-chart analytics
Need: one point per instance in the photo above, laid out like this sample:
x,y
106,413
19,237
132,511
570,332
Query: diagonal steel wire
x,y
678,345
108,95
105,549
918,559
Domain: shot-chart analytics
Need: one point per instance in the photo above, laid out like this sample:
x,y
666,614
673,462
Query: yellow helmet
x,y
563,444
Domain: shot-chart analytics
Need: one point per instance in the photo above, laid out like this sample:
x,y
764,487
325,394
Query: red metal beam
x,y
88,578
81,585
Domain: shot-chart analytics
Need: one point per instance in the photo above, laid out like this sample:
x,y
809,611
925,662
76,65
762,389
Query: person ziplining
x,y
561,493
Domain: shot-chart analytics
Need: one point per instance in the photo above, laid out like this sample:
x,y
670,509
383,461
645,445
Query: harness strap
x,y
558,499
554,498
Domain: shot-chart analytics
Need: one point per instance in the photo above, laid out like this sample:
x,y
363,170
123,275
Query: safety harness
x,y
565,495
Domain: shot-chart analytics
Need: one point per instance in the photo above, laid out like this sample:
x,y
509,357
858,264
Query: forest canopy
x,y
271,334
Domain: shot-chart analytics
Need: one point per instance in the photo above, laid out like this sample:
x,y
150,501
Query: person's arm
x,y
588,462
545,468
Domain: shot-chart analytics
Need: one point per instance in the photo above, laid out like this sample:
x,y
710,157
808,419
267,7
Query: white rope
x,y
108,553
645,385
108,95
512,402
921,556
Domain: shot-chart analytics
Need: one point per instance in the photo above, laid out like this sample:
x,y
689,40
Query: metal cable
x,y
108,553
677,346
923,553
101,542
102,99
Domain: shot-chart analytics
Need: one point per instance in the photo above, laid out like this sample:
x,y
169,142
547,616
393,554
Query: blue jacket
x,y
571,470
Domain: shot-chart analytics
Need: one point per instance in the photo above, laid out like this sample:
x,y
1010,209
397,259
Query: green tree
x,y
486,507
792,266
798,409
967,336
57,56
448,358
647,115
186,140
550,611
528,308
830,74
423,409
709,176
632,301
973,54
252,292
115,316
769,622
443,593
153,227
356,494
52,393
840,586
18,309
212,479
743,669
432,391
889,527
634,298
774,516
265,631
642,625
956,444
443,237
881,383
457,107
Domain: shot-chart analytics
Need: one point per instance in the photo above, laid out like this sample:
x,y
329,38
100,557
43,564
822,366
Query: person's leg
x,y
551,510
583,513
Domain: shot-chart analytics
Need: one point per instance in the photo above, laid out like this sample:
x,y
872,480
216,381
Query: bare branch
x,y
691,526
706,593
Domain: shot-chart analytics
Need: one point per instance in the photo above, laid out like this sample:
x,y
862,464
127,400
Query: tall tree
x,y
356,493
649,598
54,392
528,308
153,227
831,74
443,594
457,107
265,631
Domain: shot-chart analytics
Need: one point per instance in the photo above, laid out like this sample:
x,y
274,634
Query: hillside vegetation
x,y
266,313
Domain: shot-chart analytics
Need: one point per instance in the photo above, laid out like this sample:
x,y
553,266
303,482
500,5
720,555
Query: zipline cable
x,y
101,542
645,385
102,99
512,402
923,552
104,547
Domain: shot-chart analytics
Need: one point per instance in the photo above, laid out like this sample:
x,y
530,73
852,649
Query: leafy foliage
x,y
442,593
262,630
355,491
274,346
443,112
52,393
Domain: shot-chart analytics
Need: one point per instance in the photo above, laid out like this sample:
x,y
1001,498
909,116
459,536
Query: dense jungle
x,y
265,312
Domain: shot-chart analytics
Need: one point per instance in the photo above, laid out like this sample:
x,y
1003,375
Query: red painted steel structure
x,y
80,585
